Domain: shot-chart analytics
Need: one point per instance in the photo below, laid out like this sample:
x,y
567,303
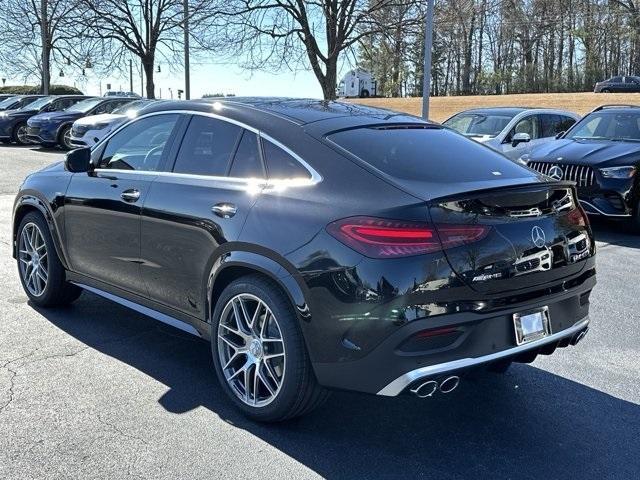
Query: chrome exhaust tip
x,y
426,389
579,336
449,384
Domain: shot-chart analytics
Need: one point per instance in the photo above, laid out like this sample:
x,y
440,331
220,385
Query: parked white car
x,y
88,131
510,130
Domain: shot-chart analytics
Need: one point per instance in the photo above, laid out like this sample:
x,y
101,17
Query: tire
x,y
64,137
634,223
605,90
286,385
19,134
52,289
364,93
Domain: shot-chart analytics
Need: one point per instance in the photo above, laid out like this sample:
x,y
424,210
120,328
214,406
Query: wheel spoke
x,y
257,377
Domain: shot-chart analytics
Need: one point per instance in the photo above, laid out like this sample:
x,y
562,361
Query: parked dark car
x,y
629,84
13,123
601,154
54,128
15,102
316,245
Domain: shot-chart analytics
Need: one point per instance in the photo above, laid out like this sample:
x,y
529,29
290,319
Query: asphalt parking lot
x,y
99,391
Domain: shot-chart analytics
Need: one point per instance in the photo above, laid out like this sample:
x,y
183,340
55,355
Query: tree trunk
x,y
147,64
329,79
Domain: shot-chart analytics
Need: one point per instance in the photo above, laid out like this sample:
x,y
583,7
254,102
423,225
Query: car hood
x,y
587,152
107,118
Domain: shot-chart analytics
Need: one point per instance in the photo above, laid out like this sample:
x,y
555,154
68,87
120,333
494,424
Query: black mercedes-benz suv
x,y
601,154
316,245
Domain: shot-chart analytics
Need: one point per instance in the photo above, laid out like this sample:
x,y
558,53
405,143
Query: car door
x,y
197,206
528,124
102,207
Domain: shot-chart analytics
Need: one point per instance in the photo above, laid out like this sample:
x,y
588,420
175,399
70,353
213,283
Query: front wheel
x,y
20,134
635,220
259,353
41,272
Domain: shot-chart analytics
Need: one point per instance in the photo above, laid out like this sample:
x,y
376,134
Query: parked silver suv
x,y
512,131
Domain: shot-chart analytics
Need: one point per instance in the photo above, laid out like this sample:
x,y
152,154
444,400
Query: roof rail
x,y
613,105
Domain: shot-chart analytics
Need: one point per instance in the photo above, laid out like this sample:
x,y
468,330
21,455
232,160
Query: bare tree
x,y
37,34
299,33
146,29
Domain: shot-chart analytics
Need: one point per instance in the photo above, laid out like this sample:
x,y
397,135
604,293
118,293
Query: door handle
x,y
224,210
132,195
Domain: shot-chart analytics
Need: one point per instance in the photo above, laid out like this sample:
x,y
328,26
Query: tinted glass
x,y
608,126
246,162
280,164
139,146
207,147
39,103
551,125
425,154
7,102
616,80
475,124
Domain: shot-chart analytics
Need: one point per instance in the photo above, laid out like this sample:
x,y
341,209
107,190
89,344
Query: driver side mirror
x,y
519,138
79,160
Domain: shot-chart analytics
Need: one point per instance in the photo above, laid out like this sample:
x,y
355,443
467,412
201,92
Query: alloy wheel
x,y
21,134
251,350
66,139
33,259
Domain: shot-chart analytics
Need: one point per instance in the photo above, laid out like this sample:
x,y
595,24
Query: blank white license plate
x,y
532,325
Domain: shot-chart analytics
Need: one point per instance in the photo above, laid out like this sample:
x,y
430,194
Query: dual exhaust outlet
x,y
430,387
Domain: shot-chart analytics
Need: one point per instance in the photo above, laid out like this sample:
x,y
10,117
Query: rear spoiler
x,y
521,187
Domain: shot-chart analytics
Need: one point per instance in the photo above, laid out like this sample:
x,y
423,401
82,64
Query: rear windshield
x,y
426,154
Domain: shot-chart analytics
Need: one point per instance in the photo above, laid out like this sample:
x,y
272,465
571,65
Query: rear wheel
x,y
605,90
41,272
259,352
20,134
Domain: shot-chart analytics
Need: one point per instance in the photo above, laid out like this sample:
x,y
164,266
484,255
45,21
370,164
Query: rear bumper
x,y
482,338
401,383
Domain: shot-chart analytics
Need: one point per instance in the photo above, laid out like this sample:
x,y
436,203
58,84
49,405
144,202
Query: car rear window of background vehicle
x,y
426,154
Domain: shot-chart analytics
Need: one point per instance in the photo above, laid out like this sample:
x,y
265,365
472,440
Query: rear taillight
x,y
382,238
577,216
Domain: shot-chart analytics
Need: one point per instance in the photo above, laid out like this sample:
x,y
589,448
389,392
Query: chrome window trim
x,y
315,176
399,384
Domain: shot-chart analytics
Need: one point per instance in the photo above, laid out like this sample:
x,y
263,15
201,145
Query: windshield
x,y
7,102
478,124
607,125
38,104
131,107
85,105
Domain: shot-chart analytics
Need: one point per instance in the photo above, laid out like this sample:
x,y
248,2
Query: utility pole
x,y
187,80
131,75
45,46
428,45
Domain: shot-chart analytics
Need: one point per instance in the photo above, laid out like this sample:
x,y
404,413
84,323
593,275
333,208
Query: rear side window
x,y
280,164
247,162
554,124
207,147
426,154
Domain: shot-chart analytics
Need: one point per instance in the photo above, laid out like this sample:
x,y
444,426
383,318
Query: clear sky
x,y
208,78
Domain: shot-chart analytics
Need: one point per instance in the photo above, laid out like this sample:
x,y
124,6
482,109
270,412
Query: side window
x,y
616,80
527,125
565,123
207,147
554,124
139,146
246,162
280,164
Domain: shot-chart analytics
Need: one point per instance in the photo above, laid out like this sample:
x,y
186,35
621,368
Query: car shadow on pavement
x,y
527,423
614,232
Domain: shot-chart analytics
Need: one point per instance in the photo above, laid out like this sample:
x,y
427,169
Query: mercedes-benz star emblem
x,y
538,237
556,173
